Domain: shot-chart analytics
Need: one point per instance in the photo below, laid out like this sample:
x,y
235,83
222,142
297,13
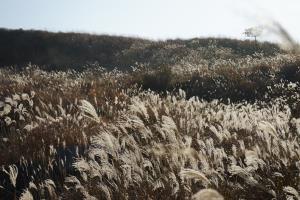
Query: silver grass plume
x,y
193,174
207,194
26,195
291,191
89,111
12,173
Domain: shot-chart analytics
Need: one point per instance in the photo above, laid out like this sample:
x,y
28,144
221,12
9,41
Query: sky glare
x,y
153,19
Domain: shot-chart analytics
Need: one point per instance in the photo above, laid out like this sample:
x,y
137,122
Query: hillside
x,y
190,119
76,50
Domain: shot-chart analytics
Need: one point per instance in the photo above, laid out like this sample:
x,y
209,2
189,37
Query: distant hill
x,y
65,50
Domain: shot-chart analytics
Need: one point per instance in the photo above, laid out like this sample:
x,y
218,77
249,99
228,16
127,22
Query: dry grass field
x,y
201,128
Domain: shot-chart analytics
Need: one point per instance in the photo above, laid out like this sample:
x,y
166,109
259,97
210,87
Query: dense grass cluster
x,y
223,130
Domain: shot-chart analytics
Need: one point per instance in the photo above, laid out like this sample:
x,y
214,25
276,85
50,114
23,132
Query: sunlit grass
x,y
227,130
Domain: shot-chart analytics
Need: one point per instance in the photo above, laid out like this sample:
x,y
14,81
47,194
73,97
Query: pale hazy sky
x,y
154,19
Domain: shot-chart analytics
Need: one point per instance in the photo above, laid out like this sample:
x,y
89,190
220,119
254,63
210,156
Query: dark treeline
x,y
65,50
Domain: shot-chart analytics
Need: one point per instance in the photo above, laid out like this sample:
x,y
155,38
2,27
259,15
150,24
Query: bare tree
x,y
253,32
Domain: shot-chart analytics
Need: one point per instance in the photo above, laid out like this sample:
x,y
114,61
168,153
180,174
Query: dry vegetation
x,y
214,129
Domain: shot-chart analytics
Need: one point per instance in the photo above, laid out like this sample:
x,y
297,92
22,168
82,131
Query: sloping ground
x,y
99,135
64,51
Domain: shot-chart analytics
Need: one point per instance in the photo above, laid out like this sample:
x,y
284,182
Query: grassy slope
x,y
101,134
74,50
